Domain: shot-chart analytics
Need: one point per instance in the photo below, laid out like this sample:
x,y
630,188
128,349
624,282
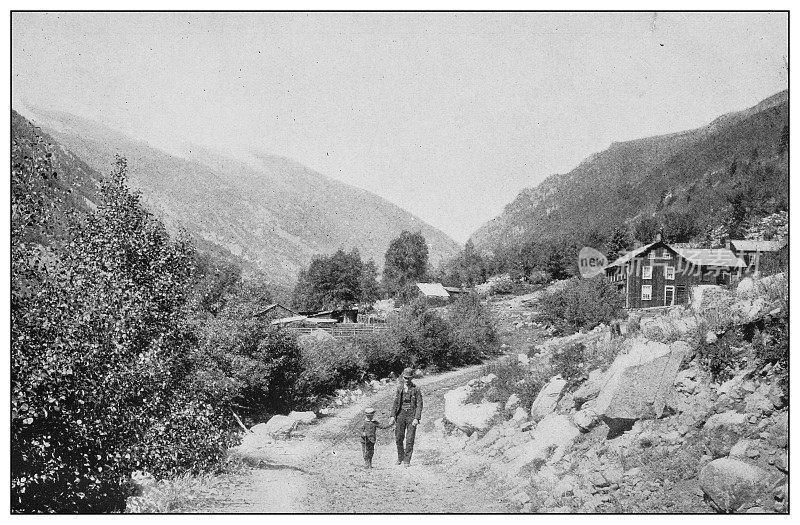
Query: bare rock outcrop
x,y
638,383
731,484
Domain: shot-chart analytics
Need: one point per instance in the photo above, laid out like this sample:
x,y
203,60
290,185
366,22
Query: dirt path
x,y
323,472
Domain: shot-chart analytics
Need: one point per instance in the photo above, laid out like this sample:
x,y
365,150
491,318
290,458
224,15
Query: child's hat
x,y
369,410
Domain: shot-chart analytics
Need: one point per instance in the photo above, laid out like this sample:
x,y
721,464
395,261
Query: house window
x,y
647,292
647,272
652,254
669,273
667,254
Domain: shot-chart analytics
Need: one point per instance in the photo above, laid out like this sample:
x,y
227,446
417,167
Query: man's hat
x,y
408,372
369,410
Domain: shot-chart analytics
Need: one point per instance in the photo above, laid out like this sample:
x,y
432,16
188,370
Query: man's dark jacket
x,y
415,395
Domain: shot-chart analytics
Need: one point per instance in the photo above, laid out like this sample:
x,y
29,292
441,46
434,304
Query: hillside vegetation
x,y
270,211
734,169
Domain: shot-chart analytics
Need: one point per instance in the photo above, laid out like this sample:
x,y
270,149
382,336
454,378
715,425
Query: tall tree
x,y
406,262
338,280
646,230
618,242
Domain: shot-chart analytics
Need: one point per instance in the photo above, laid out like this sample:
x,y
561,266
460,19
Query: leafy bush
x,y
328,364
380,355
582,304
720,358
474,330
772,346
502,286
514,378
103,358
569,361
423,336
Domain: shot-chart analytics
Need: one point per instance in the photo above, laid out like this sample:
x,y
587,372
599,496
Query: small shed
x,y
433,290
766,256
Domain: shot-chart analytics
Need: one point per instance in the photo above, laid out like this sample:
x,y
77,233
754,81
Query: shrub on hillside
x,y
379,354
328,364
582,304
721,358
423,336
103,358
772,346
474,330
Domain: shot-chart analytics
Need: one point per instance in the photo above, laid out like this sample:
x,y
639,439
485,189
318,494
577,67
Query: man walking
x,y
406,412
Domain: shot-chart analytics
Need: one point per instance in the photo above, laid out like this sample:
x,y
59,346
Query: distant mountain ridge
x,y
270,211
688,171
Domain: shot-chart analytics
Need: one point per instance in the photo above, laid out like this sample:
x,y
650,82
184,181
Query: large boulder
x,y
589,389
548,398
638,384
303,417
551,436
468,416
729,419
277,427
732,485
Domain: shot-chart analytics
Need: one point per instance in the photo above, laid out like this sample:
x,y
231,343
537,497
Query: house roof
x,y
743,245
432,290
710,257
272,307
287,320
630,255
698,256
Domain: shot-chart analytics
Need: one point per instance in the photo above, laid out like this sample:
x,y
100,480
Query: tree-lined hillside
x,y
732,170
270,211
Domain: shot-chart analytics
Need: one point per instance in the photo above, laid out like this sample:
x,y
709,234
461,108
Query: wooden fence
x,y
341,330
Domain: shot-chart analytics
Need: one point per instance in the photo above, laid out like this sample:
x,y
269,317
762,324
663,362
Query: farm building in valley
x,y
274,311
661,275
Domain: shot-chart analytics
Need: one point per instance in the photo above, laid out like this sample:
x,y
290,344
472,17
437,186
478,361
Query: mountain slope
x,y
270,211
687,172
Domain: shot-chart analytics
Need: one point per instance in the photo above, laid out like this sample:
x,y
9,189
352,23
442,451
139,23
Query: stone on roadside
x,y
547,399
278,427
303,417
552,432
590,388
512,402
732,484
468,416
639,383
731,418
523,359
520,415
586,419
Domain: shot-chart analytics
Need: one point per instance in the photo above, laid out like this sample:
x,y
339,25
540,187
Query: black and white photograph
x,y
398,262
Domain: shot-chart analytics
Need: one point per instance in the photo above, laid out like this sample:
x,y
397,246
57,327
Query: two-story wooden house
x,y
661,275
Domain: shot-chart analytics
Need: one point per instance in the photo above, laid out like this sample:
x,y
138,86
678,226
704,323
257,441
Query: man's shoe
x,y
406,464
399,461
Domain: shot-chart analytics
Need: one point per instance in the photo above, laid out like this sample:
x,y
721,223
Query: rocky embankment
x,y
648,431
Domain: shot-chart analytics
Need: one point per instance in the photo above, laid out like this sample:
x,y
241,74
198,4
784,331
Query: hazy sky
x,y
447,115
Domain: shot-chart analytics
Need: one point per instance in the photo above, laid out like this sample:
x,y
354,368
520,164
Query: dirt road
x,y
323,471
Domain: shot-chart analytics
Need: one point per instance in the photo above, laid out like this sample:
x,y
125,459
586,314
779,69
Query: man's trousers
x,y
404,430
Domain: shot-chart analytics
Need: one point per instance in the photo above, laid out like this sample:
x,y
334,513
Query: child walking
x,y
369,435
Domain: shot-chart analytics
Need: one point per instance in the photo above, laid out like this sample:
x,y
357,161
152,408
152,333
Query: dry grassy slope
x,y
631,179
270,211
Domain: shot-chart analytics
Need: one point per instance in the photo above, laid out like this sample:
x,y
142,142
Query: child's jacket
x,y
369,430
